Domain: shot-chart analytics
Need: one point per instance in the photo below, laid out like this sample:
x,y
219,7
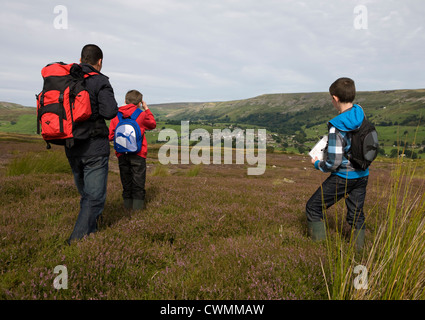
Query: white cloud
x,y
190,50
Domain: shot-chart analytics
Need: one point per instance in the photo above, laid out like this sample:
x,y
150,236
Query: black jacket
x,y
104,106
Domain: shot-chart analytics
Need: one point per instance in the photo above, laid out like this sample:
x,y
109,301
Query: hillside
x,y
17,118
279,112
297,119
12,111
286,113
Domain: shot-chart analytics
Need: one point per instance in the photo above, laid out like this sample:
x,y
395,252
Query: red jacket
x,y
145,120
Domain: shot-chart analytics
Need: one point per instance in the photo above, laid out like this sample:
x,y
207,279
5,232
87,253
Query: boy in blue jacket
x,y
345,181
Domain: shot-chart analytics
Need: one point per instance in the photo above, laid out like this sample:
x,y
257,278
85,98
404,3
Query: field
x,y
209,231
294,122
390,137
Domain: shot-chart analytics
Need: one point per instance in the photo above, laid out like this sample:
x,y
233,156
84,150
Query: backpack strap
x,y
136,114
86,75
348,154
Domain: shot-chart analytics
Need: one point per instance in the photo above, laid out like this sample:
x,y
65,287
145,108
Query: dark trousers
x,y
331,191
133,176
90,176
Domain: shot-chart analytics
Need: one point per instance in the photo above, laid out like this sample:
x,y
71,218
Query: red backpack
x,y
63,101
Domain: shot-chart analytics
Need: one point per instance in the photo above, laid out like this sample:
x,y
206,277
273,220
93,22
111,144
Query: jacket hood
x,y
127,110
349,120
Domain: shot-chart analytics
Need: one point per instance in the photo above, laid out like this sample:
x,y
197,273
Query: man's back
x,y
104,106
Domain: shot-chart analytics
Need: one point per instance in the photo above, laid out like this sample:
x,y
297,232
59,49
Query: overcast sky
x,y
193,50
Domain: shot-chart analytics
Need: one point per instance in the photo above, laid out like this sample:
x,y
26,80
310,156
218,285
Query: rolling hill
x,y
277,111
300,118
17,118
399,114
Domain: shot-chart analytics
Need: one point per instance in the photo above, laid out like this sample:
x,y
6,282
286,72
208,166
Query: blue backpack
x,y
128,136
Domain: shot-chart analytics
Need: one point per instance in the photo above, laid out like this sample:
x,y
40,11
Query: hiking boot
x,y
128,203
359,235
317,230
138,204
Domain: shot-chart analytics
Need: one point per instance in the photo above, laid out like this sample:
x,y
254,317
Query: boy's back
x,y
145,120
345,180
133,165
339,144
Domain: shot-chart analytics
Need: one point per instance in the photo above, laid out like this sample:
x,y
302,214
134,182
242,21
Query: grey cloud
x,y
189,50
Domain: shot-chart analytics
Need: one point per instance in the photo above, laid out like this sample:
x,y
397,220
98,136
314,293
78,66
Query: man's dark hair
x,y
344,89
133,97
91,54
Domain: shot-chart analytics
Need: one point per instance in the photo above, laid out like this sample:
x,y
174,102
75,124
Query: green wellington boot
x,y
128,203
138,204
359,239
317,230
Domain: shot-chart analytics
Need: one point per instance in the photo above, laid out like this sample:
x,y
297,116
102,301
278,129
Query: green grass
x,y
393,259
25,124
42,162
408,134
194,171
160,171
390,137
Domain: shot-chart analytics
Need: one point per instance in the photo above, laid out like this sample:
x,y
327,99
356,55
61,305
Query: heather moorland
x,y
209,232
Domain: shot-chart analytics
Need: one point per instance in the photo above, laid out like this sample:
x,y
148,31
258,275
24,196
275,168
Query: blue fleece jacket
x,y
339,144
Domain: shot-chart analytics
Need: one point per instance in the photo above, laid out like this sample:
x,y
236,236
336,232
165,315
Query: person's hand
x,y
144,105
313,161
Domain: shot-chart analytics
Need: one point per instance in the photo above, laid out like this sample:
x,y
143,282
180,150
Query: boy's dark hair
x,y
91,54
133,97
344,89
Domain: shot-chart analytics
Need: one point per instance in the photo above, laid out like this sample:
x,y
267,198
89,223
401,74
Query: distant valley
x,y
297,120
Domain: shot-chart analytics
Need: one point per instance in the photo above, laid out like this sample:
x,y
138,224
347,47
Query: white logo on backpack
x,y
126,137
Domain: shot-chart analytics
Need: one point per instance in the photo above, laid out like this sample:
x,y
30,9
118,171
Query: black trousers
x,y
133,176
331,191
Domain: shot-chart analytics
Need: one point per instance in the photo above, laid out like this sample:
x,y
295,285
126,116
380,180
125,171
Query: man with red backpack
x,y
127,131
89,157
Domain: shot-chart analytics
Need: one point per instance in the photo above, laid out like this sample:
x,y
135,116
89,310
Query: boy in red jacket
x,y
133,165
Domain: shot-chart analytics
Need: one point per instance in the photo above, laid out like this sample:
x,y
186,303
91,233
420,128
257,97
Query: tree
x,y
394,153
